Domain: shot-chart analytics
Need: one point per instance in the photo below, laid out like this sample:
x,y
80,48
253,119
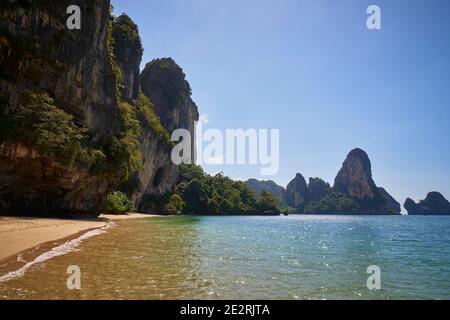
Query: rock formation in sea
x,y
99,134
297,193
269,186
434,204
355,180
392,205
354,191
317,189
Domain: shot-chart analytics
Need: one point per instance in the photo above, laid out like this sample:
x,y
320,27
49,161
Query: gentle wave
x,y
55,252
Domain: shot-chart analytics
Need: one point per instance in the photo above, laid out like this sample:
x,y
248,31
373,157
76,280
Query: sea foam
x,y
55,252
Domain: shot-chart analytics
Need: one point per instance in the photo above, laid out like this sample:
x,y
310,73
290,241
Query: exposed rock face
x,y
164,82
297,193
268,186
39,54
317,189
355,180
34,184
355,177
38,51
391,205
434,204
128,52
157,175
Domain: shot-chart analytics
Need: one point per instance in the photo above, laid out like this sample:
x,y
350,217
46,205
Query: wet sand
x,y
18,234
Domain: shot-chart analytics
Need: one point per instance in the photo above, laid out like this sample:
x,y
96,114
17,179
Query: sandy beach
x,y
18,234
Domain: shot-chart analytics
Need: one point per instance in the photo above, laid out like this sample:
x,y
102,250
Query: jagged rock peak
x,y
317,188
355,180
355,177
164,82
297,193
434,204
128,53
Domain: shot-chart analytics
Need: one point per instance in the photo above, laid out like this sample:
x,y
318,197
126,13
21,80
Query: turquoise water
x,y
295,257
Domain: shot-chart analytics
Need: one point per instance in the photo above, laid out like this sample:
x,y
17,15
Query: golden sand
x,y
18,234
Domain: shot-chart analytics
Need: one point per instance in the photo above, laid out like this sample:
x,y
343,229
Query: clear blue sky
x,y
312,69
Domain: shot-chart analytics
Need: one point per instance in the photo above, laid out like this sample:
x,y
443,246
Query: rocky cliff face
x,y
268,186
297,193
157,174
92,78
128,52
38,51
31,183
391,205
434,204
355,177
355,180
164,82
39,54
354,191
317,189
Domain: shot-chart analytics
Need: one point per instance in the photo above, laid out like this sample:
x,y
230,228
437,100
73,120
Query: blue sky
x,y
313,70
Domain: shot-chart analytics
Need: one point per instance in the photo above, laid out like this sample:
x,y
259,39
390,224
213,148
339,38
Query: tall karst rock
x,y
297,193
317,189
128,53
73,125
434,204
156,175
39,55
355,180
164,82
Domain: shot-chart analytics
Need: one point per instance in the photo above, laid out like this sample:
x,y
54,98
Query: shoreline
x,y
19,234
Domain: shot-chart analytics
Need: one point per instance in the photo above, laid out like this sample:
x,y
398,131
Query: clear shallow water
x,y
295,257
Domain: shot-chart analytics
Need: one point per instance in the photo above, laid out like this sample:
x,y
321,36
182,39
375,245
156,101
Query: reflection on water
x,y
296,257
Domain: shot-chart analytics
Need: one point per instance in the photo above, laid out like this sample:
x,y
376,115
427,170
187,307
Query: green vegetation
x,y
334,202
116,73
171,83
125,31
175,205
149,118
43,125
117,202
267,202
200,193
125,146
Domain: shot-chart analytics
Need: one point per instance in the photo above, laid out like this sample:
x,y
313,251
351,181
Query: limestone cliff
x,y
434,204
157,174
39,54
317,189
354,191
74,125
355,180
391,205
297,193
164,82
128,52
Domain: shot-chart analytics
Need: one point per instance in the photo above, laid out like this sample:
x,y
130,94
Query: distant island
x,y
354,192
433,204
